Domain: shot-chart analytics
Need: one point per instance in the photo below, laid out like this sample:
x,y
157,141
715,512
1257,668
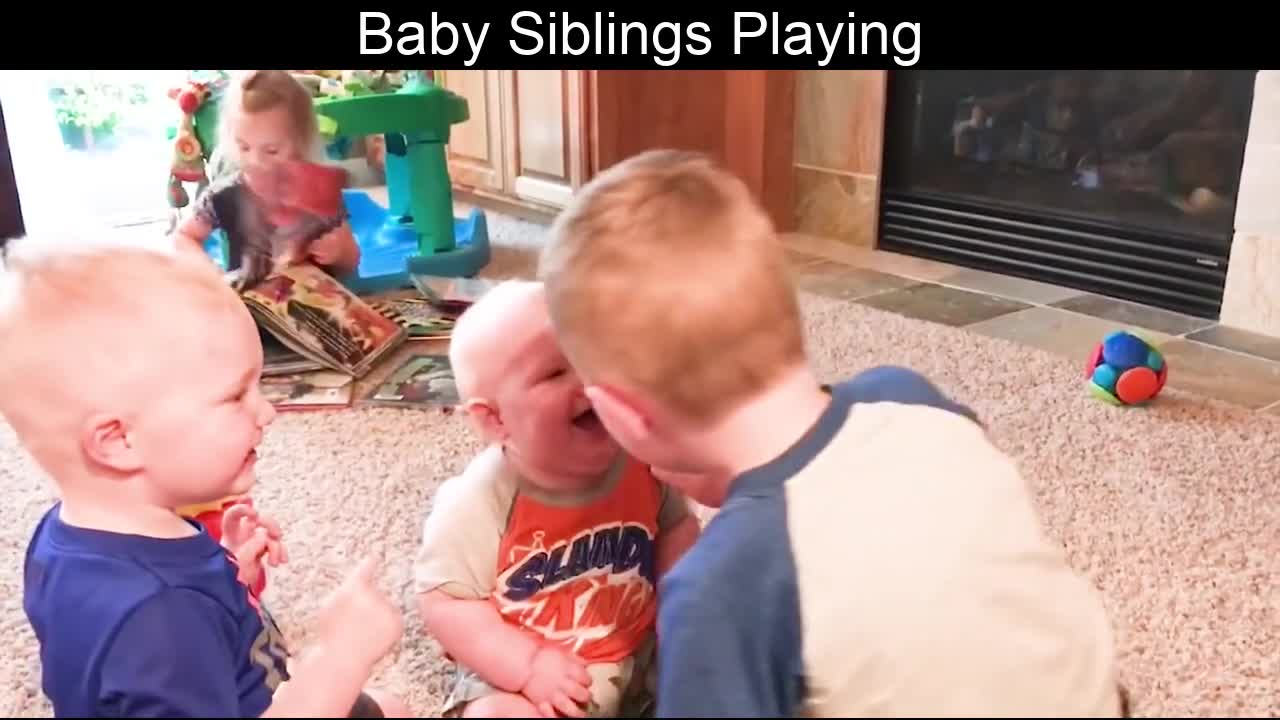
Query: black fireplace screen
x,y
1118,181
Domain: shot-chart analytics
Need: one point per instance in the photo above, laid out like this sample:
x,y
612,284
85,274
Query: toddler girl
x,y
269,211
268,133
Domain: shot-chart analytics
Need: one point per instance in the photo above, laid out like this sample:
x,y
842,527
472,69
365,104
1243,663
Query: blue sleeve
x,y
729,635
889,383
171,658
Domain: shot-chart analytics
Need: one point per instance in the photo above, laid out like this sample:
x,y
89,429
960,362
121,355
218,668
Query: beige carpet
x,y
1172,510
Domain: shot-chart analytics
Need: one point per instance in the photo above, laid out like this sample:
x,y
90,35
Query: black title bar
x,y
642,36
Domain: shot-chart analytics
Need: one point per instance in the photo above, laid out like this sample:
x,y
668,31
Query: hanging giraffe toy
x,y
188,154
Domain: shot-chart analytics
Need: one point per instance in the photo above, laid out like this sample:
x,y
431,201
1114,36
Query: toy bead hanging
x,y
188,156
177,194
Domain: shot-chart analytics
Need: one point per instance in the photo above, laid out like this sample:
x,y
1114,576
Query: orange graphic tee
x,y
584,575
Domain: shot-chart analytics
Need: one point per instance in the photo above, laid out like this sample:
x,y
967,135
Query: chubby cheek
x,y
545,435
217,454
546,439
187,470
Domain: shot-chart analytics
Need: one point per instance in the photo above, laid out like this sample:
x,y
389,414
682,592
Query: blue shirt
x,y
133,626
888,564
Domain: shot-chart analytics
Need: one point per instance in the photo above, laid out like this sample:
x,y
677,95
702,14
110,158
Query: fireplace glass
x,y
1120,181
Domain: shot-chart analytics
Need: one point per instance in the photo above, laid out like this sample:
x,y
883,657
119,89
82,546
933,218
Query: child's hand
x,y
334,249
312,188
558,683
251,537
327,249
358,621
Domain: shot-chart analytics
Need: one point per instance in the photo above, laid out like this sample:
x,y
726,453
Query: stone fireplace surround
x,y
839,131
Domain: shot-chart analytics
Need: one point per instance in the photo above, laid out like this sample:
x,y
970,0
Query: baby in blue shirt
x,y
131,376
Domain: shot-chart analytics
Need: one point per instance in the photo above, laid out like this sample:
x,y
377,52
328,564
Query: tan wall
x,y
839,130
1252,298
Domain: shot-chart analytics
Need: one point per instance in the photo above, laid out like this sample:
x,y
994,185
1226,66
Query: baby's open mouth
x,y
587,419
584,414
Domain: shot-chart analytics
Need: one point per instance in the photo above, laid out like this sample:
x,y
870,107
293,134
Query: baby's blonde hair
x,y
82,319
258,91
484,332
666,276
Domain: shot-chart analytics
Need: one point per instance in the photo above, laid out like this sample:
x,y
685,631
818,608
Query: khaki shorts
x,y
618,690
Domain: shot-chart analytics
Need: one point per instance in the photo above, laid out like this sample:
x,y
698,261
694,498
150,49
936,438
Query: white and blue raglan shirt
x,y
890,564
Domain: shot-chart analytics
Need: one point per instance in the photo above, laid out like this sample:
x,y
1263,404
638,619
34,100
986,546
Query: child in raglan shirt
x,y
874,553
540,562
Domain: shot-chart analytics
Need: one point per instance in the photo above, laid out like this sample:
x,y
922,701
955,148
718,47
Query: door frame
x,y
11,223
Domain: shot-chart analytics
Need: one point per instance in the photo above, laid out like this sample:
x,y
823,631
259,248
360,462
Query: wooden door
x,y
744,118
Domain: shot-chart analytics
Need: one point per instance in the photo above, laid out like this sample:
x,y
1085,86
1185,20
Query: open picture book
x,y
315,390
320,320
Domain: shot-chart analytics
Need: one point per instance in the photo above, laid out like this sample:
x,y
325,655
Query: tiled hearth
x,y
1213,360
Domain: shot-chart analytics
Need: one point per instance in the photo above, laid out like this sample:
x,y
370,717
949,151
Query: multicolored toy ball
x,y
1125,369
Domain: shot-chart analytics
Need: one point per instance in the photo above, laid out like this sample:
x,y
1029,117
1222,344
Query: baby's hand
x,y
358,621
254,269
558,683
251,537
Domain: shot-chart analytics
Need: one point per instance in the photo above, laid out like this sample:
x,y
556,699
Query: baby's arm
x,y
322,685
191,233
357,626
553,680
454,572
678,529
476,636
194,229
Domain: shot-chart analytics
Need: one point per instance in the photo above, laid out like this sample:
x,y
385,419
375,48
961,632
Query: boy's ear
x,y
487,419
105,441
621,417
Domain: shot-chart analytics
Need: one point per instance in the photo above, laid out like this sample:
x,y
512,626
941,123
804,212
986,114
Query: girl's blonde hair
x,y
258,91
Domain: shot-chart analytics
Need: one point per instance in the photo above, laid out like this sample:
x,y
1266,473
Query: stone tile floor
x,y
1228,364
